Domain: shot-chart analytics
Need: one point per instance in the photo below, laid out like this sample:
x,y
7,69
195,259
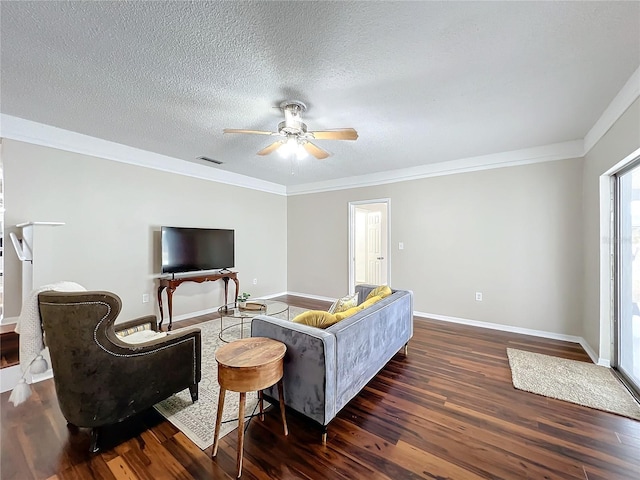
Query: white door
x,y
374,248
369,243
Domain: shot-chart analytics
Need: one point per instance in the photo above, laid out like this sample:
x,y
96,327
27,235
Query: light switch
x,y
400,246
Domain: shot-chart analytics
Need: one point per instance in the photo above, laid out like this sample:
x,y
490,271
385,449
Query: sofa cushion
x,y
344,303
316,318
347,313
381,291
369,301
142,336
132,330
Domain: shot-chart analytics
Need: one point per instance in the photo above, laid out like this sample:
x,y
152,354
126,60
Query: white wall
x,y
113,213
619,141
527,237
514,234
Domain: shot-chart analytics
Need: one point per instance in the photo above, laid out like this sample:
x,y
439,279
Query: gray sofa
x,y
324,369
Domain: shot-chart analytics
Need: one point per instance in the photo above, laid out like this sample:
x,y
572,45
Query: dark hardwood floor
x,y
447,411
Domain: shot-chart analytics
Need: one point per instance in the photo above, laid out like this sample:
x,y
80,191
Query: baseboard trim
x,y
273,295
187,316
445,318
9,320
603,362
308,295
525,331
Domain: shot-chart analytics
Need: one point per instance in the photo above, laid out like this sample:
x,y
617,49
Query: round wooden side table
x,y
248,365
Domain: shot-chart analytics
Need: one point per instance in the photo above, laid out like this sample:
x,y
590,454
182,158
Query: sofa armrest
x,y
309,366
366,341
363,290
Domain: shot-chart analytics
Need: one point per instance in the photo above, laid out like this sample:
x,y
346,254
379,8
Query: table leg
x,y
240,433
226,289
216,435
160,306
235,280
281,396
170,304
261,402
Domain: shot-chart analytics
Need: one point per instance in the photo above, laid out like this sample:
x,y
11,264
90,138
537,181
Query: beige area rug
x,y
197,420
577,382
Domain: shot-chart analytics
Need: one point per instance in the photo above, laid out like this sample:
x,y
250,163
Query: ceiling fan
x,y
294,133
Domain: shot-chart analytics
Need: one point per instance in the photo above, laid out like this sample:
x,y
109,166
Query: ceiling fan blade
x,y
336,134
315,150
270,148
239,130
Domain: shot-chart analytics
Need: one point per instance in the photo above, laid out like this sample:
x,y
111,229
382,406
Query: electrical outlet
x,y
255,281
145,298
478,296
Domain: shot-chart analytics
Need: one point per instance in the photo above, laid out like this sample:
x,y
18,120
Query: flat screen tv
x,y
194,249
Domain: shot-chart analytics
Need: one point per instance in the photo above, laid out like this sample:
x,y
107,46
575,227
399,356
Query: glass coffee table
x,y
235,330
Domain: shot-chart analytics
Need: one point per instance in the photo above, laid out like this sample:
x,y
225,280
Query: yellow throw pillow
x,y
316,318
370,301
381,291
344,303
347,313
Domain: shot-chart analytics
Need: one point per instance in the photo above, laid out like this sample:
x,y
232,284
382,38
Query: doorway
x,y
627,282
369,240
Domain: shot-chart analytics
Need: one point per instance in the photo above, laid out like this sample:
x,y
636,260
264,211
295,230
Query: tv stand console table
x,y
172,283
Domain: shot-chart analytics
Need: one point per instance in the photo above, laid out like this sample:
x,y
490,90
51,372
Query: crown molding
x,y
546,153
23,130
32,132
623,100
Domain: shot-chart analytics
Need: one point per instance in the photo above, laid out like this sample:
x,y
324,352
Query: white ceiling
x,y
421,82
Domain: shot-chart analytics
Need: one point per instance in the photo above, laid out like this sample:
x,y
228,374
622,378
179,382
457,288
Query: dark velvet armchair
x,y
99,378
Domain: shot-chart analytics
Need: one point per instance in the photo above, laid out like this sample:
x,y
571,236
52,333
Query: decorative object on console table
x,y
254,306
171,283
242,299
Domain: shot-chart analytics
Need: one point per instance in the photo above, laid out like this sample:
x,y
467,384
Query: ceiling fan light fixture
x,y
295,138
292,147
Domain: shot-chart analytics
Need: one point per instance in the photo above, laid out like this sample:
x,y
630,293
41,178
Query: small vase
x,y
242,304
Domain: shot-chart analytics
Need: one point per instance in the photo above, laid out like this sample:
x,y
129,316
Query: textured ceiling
x,y
422,82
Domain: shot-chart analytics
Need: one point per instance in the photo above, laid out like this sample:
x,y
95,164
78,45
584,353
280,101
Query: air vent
x,y
207,159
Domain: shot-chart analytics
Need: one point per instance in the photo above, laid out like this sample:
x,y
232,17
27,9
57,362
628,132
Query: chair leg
x,y
282,409
193,390
216,435
324,435
240,451
95,433
406,349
